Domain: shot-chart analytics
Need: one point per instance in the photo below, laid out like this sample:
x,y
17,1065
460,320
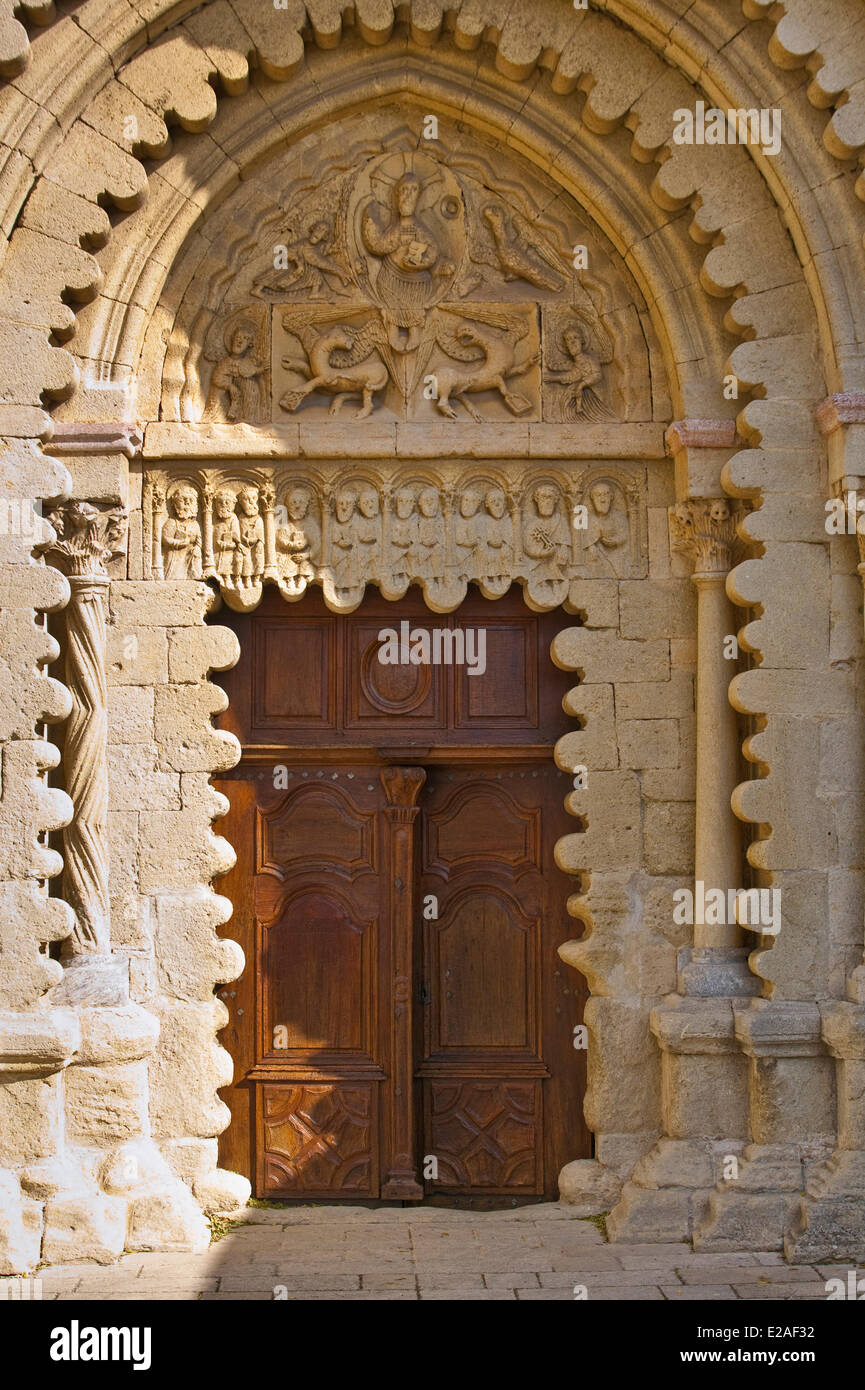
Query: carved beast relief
x,y
245,527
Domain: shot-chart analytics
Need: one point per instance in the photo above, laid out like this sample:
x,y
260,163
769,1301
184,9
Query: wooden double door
x,y
404,1027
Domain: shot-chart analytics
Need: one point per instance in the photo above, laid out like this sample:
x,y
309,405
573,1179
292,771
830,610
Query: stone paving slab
x,y
431,1254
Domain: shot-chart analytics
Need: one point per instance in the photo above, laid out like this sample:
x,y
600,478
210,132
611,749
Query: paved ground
x,y
399,1253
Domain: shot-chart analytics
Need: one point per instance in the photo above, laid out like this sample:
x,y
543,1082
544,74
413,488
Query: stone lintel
x,y
72,437
398,440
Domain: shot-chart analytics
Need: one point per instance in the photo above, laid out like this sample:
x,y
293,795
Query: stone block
x,y
193,652
116,1035
190,957
130,715
160,603
31,1120
135,655
602,656
645,743
106,1104
669,837
84,1228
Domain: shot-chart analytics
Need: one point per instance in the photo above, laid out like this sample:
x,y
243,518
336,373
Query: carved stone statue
x,y
181,536
498,543
343,538
251,537
299,541
469,535
411,260
518,256
237,387
340,360
546,538
485,342
309,267
227,543
431,545
607,534
368,531
403,537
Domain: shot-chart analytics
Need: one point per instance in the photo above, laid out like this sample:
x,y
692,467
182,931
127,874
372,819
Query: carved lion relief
x,y
296,528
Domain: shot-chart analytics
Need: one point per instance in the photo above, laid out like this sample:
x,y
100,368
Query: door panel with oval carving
x,y
404,1026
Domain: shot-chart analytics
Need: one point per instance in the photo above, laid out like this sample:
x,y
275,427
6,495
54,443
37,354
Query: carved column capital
x,y
704,530
86,538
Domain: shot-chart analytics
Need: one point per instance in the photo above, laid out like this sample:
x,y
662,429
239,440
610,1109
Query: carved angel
x,y
309,267
238,386
342,360
486,343
579,373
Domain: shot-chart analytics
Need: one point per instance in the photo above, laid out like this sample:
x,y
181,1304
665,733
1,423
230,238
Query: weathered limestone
x,y
132,300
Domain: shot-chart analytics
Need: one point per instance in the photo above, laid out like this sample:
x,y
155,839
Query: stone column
x,y
86,538
828,1221
704,1075
705,532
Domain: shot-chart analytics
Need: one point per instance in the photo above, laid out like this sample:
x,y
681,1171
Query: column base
x,y
668,1191
828,1222
748,1212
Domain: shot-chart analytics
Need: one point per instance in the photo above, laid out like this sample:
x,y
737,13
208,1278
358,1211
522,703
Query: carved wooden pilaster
x,y
402,787
86,539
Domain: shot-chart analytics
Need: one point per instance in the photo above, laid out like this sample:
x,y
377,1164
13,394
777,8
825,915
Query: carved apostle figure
x,y
237,389
345,558
368,531
430,562
498,541
605,544
546,537
181,536
300,541
403,536
227,542
469,536
251,536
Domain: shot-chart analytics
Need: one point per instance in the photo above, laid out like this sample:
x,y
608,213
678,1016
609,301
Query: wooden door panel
x,y
295,667
318,1140
319,960
377,694
482,956
398,785
486,1137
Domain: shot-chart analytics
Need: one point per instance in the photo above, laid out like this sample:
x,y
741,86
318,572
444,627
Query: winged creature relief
x,y
341,360
485,342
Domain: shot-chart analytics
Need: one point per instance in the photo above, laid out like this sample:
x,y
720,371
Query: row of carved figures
x,y
483,533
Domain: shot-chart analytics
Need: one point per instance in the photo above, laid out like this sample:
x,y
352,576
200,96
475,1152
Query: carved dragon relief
x,y
293,527
413,290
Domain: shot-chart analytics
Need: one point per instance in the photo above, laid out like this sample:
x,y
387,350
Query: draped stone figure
x,y
181,536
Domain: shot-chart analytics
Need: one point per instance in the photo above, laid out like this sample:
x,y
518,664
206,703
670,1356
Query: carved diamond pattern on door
x,y
485,1136
319,1139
